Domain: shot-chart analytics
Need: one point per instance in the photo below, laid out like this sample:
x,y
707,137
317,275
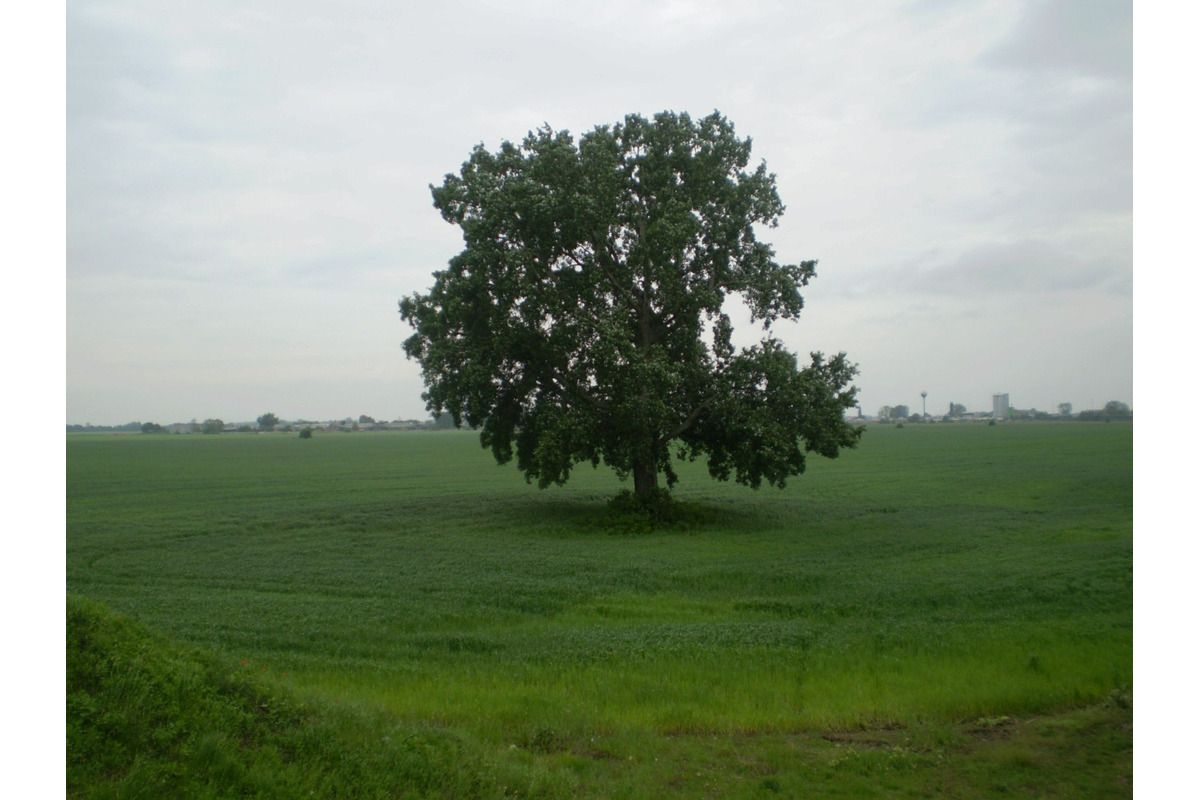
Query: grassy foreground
x,y
946,611
147,717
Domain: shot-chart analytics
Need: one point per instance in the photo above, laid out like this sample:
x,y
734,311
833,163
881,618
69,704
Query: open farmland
x,y
946,610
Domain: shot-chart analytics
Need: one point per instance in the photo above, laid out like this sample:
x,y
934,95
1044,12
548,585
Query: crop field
x,y
945,611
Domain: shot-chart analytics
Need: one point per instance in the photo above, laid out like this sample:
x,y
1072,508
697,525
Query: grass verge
x,y
151,718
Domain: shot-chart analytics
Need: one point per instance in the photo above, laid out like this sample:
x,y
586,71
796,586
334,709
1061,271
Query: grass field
x,y
945,611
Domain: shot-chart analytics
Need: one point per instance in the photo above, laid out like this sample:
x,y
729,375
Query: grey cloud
x,y
1092,38
242,150
1030,267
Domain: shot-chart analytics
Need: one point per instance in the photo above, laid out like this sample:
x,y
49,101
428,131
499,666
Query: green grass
x,y
147,717
934,577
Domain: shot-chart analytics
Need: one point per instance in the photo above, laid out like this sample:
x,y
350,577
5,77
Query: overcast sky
x,y
248,184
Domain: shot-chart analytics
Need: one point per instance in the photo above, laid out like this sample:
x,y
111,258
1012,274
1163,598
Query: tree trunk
x,y
645,477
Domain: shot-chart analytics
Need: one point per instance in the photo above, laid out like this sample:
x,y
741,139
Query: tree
x,y
306,432
365,420
212,426
1115,409
957,410
1064,409
584,321
151,427
443,422
267,422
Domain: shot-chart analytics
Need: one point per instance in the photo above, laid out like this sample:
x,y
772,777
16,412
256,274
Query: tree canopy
x,y
212,426
1113,410
585,321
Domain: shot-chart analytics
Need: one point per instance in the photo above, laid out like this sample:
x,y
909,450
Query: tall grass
x,y
149,718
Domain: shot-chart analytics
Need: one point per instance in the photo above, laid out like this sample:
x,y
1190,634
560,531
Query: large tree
x,y
585,319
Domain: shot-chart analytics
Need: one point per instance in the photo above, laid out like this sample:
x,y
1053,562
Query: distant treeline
x,y
1104,416
267,422
133,427
1113,410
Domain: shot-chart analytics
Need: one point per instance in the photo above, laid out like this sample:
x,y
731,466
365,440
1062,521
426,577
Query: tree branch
x,y
688,422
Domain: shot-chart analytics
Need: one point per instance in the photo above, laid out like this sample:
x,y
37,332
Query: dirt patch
x,y
991,728
595,752
890,735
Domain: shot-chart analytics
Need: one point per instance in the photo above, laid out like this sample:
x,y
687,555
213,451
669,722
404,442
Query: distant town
x,y
269,423
1001,411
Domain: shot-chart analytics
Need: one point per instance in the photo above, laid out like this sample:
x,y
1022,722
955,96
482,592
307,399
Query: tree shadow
x,y
593,514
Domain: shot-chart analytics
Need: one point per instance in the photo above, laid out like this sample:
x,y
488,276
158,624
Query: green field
x,y
945,611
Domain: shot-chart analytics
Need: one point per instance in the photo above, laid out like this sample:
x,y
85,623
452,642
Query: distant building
x,y
1000,406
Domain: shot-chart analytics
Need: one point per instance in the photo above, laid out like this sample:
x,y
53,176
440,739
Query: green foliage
x,y
152,427
655,503
1114,410
651,510
306,432
147,717
898,414
584,320
267,422
443,422
212,426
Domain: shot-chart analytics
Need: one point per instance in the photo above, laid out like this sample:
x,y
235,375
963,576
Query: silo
x,y
1000,406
